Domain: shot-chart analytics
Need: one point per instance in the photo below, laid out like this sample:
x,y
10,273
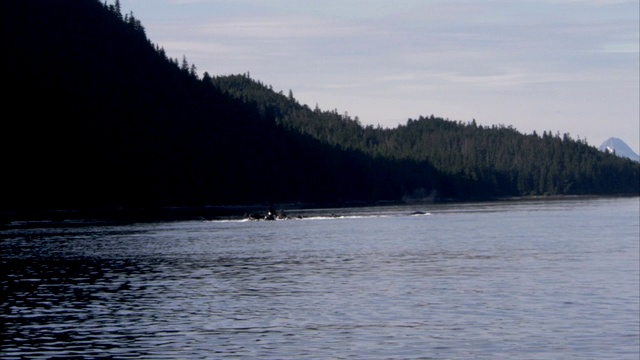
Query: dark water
x,y
529,280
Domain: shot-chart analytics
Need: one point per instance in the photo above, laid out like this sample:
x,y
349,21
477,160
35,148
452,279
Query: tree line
x,y
494,160
98,115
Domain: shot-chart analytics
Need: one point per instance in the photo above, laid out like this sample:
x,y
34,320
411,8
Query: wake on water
x,y
322,217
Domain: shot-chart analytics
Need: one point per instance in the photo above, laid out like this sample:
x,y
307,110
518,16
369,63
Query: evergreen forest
x,y
97,115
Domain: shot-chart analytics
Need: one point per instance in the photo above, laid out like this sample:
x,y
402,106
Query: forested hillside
x,y
477,161
98,115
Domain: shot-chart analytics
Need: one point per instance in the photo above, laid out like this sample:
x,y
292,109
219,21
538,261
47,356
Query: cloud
x,y
622,48
592,2
186,2
274,28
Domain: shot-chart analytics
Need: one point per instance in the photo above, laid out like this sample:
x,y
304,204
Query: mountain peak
x,y
619,147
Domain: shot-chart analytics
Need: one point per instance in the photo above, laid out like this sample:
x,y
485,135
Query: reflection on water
x,y
543,280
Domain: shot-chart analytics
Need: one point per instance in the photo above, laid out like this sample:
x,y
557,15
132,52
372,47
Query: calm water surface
x,y
526,280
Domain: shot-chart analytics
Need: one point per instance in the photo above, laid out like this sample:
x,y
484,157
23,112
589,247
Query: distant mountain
x,y
620,148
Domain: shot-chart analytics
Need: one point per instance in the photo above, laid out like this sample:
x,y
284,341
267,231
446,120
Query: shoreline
x,y
115,215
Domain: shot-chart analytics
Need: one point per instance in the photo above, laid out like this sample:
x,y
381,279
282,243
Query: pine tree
x,y
185,64
118,9
206,78
193,71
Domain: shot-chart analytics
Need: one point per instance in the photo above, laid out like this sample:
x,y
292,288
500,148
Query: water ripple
x,y
457,284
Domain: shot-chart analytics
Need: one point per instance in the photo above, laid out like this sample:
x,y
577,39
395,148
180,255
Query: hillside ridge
x,y
102,117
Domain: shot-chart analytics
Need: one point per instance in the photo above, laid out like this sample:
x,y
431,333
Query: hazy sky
x,y
560,65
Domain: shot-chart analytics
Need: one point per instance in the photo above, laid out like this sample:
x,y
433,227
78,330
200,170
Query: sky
x,y
567,66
